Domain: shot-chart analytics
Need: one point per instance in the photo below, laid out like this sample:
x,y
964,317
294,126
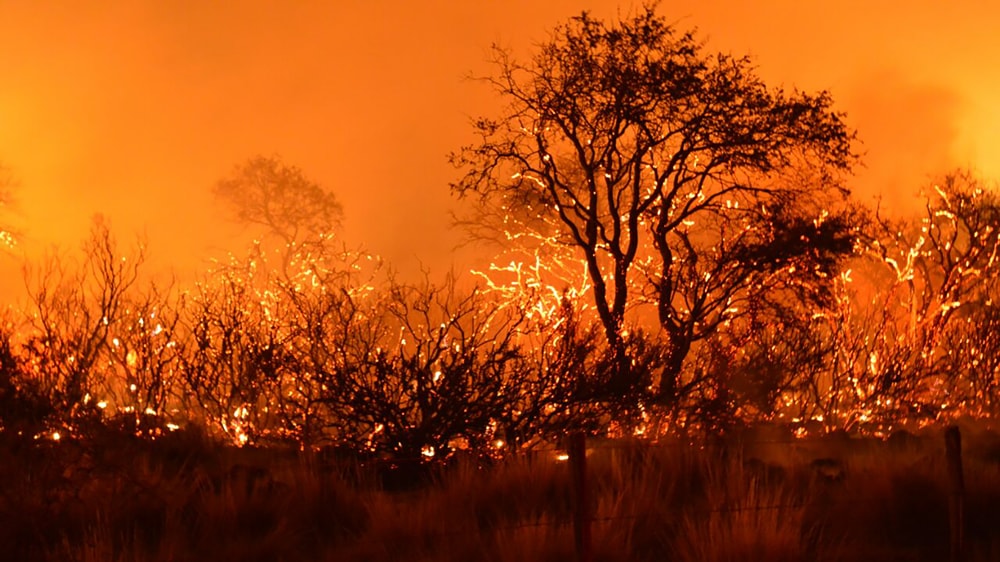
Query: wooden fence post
x,y
577,451
956,491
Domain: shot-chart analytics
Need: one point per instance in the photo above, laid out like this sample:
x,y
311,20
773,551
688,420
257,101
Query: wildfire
x,y
259,350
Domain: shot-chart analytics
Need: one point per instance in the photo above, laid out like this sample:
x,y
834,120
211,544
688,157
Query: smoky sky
x,y
135,109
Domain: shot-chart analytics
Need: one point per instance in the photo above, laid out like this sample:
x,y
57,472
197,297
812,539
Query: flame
x,y
893,315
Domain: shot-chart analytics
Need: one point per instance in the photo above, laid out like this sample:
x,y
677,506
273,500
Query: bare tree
x,y
236,352
939,277
423,366
911,336
677,177
971,366
75,310
146,352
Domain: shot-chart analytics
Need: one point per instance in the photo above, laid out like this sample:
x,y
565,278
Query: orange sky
x,y
134,109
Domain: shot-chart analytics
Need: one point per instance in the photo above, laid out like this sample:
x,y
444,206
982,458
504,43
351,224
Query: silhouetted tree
x,y
678,177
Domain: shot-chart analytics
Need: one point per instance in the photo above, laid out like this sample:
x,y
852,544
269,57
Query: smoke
x,y
909,133
134,110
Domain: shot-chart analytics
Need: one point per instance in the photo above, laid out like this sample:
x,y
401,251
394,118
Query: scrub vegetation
x,y
681,268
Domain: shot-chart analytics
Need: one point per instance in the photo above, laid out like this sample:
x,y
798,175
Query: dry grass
x,y
133,502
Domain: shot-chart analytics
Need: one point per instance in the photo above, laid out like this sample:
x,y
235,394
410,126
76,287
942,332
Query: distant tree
x,y
678,177
251,318
266,192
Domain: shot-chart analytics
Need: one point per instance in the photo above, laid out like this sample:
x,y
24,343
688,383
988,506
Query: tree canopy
x,y
678,176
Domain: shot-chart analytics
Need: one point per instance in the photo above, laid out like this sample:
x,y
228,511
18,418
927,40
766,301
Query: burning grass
x,y
817,499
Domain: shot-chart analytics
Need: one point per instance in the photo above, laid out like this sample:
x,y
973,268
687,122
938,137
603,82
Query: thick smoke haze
x,y
135,109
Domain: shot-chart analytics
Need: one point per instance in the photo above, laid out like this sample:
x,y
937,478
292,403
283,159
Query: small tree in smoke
x,y
252,318
266,192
